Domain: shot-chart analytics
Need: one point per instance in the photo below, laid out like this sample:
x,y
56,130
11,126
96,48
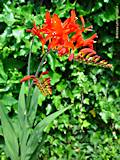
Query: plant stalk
x,y
29,60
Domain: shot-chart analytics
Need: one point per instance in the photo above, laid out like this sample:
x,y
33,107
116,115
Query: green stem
x,y
29,59
36,75
40,64
28,73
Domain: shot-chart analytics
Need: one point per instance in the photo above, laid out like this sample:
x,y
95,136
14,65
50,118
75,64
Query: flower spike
x,y
42,84
89,56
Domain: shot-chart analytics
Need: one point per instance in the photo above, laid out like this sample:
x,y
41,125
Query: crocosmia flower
x,y
66,37
43,84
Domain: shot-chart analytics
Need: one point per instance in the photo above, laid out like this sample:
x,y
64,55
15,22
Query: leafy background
x,y
91,129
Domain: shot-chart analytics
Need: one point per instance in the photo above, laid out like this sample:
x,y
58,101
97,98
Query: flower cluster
x,y
89,56
42,83
67,37
63,36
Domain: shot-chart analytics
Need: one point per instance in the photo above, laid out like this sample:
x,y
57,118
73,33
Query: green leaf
x,y
8,16
25,133
41,98
36,135
22,106
35,154
86,101
23,121
61,85
10,137
105,116
18,33
48,109
57,101
55,77
95,138
1,132
3,75
8,100
106,1
85,124
33,106
21,11
97,6
51,61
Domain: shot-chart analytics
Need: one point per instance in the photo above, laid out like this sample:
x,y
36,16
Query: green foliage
x,y
22,138
91,129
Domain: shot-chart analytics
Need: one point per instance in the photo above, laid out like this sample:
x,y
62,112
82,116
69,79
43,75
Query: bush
x,y
91,129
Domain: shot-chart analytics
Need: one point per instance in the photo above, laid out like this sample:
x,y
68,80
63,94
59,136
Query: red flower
x,y
71,57
42,84
43,73
36,31
89,56
26,78
58,33
87,50
66,37
62,51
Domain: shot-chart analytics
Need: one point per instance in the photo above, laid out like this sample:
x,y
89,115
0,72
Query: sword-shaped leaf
x,y
37,134
33,106
10,137
21,106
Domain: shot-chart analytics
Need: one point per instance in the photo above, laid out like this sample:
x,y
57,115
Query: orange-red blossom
x,y
43,84
65,36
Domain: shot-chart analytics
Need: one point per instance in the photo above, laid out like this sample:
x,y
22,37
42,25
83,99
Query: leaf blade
x,y
33,106
9,134
21,106
36,136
